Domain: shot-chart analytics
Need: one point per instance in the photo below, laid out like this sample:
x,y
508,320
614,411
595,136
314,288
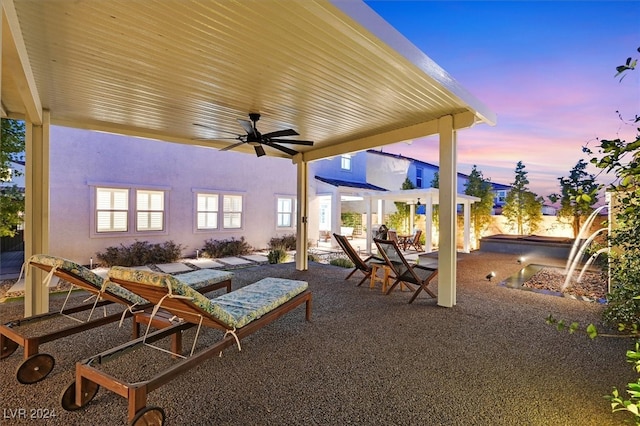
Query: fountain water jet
x,y
585,226
590,261
577,258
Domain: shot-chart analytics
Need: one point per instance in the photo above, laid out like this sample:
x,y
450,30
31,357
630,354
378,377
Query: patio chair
x,y
37,366
411,275
362,265
413,241
239,314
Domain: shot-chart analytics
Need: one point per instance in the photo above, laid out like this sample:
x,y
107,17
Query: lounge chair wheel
x,y
68,397
35,368
149,416
8,347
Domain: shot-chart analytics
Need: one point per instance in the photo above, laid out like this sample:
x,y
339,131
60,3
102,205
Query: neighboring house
x,y
108,190
340,182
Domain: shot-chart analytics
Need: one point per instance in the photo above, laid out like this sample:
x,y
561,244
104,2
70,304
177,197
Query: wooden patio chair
x,y
362,265
239,314
412,275
37,366
413,242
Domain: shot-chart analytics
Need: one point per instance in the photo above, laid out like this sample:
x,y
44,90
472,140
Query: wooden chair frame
x,y
359,263
418,275
36,366
89,377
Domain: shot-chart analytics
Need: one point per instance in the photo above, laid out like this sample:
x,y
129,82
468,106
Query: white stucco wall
x,y
79,158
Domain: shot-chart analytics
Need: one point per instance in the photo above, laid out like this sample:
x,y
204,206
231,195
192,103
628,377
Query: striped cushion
x,y
86,275
235,309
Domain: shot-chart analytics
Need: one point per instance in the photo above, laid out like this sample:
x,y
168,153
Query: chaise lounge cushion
x,y
86,275
235,309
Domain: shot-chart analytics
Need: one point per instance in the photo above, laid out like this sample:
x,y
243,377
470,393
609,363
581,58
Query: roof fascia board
x,y
372,22
19,61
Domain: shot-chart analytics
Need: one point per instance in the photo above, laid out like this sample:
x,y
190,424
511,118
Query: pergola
x,y
333,70
428,197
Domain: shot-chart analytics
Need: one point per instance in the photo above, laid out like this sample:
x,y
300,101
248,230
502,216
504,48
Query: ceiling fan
x,y
257,139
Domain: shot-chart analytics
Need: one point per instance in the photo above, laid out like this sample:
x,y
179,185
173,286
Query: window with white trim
x,y
345,162
112,210
149,210
207,214
232,211
285,212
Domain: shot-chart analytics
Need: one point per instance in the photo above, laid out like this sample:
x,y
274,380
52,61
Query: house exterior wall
x,y
386,172
332,167
81,159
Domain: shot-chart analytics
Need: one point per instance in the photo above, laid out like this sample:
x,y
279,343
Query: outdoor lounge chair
x,y
238,314
36,366
412,275
363,265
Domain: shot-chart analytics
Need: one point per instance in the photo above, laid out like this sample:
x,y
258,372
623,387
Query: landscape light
x,y
521,259
490,275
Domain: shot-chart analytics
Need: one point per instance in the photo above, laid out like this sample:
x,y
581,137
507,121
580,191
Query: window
x,y
345,162
112,210
207,215
285,212
232,211
419,177
149,210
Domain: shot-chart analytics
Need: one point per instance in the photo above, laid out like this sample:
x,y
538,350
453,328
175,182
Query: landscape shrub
x,y
343,262
288,242
277,254
140,253
225,248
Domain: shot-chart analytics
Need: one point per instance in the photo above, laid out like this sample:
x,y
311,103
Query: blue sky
x,y
546,68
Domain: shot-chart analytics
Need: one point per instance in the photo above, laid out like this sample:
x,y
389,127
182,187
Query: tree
x,y
398,220
578,193
11,198
480,213
523,208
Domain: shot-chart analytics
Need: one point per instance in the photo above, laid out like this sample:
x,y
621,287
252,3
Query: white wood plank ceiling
x,y
334,71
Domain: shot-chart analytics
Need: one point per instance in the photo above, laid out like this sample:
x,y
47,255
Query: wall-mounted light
x,y
418,203
490,275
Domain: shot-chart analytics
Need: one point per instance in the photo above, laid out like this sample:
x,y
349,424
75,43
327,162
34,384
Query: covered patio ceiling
x,y
332,70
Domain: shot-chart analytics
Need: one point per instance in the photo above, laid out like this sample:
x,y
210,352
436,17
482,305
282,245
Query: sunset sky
x,y
546,68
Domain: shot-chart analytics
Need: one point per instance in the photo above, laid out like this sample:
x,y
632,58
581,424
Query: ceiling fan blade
x,y
307,143
278,133
247,126
281,148
227,148
260,150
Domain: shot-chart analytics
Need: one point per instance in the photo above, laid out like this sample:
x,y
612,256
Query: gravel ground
x,y
365,358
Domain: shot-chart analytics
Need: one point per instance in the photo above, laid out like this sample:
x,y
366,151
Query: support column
x,y
369,233
36,226
302,219
447,203
428,232
467,226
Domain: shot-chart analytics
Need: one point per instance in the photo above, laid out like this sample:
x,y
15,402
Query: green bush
x,y
225,248
288,242
140,253
277,255
343,262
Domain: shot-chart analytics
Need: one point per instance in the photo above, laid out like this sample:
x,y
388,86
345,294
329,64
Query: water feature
x,y
585,227
578,256
591,260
